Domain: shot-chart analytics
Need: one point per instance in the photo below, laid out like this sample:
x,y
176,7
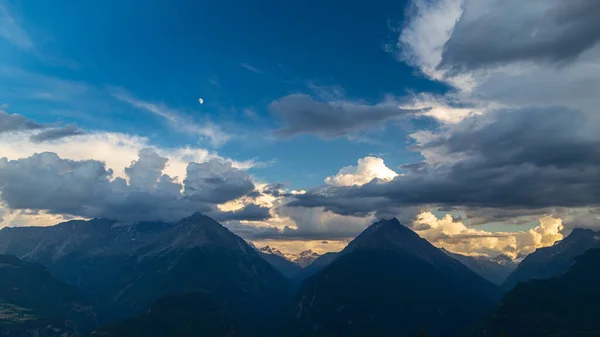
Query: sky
x,y
474,122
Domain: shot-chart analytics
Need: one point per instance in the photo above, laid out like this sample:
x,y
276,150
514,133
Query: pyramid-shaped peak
x,y
196,216
391,235
387,222
388,227
200,220
200,230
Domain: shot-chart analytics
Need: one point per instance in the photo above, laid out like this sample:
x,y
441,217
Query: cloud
x,y
538,47
68,130
519,159
445,109
287,223
15,218
216,181
180,123
115,149
513,141
251,68
368,168
455,236
300,114
422,39
251,212
11,30
496,32
15,122
87,188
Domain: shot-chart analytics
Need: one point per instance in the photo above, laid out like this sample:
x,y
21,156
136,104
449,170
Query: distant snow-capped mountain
x,y
305,258
302,259
270,250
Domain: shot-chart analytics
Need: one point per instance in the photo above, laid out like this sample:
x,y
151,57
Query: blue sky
x,y
237,56
318,117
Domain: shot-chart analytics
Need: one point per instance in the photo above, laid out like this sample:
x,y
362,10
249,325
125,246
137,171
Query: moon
x,y
200,100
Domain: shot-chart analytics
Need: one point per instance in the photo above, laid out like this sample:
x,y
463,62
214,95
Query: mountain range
x,y
495,270
296,267
560,306
303,259
195,277
553,260
124,269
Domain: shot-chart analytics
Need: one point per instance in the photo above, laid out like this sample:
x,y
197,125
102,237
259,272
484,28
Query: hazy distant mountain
x,y
312,261
490,269
124,269
276,258
562,306
303,259
391,282
290,265
506,260
554,260
179,315
270,251
33,303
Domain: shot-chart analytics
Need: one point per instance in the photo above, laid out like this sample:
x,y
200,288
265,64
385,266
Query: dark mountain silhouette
x,y
489,269
177,315
33,303
124,269
313,268
554,260
561,306
390,282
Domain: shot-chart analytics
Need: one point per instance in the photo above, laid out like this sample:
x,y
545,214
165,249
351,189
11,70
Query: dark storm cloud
x,y
250,212
300,114
68,130
86,188
15,122
495,32
276,190
10,123
287,233
216,181
511,159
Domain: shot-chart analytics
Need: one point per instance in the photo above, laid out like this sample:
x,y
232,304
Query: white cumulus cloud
x,y
457,237
367,169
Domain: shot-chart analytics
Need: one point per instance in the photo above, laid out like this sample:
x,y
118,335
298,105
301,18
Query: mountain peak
x,y
305,258
387,230
581,233
308,253
271,250
391,235
199,230
385,224
196,216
